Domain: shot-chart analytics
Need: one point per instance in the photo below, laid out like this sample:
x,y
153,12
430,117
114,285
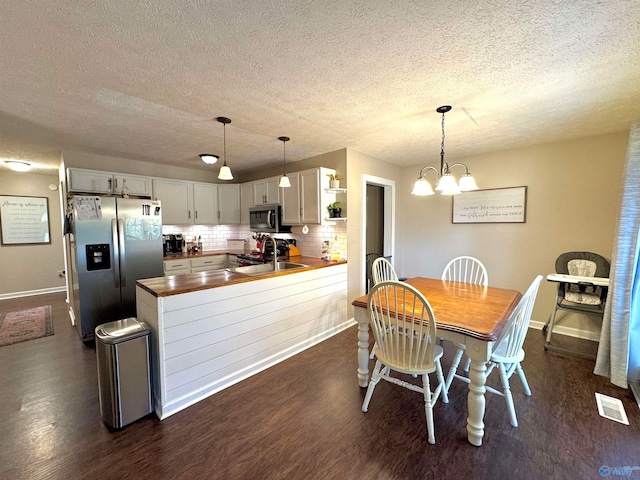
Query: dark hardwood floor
x,y
301,419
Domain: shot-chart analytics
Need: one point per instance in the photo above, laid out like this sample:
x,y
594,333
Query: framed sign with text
x,y
24,220
496,205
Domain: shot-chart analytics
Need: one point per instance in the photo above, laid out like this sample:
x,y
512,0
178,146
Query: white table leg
x,y
360,315
479,352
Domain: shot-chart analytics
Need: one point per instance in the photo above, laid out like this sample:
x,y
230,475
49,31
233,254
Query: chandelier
x,y
446,184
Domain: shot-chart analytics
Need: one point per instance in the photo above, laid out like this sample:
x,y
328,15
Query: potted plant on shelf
x,y
334,180
334,210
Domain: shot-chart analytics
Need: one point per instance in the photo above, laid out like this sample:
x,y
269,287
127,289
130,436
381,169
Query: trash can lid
x,y
121,330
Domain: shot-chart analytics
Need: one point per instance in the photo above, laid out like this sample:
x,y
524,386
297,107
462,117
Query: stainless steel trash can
x,y
124,379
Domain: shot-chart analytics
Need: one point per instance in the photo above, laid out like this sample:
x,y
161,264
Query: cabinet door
x,y
89,181
272,190
266,192
205,203
136,184
259,192
229,204
176,198
310,196
291,201
246,202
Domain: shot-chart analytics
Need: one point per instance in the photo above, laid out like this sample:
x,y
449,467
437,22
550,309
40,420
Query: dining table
x,y
468,314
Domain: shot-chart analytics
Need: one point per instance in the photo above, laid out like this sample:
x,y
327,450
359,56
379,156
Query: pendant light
x,y
225,171
209,158
284,180
447,184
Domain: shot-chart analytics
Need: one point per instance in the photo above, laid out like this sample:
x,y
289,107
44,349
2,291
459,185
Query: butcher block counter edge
x,y
179,284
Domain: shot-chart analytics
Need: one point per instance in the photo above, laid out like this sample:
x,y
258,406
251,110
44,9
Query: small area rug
x,y
23,325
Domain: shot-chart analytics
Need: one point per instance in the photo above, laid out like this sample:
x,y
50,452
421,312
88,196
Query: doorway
x,y
378,229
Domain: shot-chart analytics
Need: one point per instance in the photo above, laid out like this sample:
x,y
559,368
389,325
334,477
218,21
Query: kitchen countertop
x,y
179,284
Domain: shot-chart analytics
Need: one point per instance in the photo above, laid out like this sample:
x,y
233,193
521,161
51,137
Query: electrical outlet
x,y
61,273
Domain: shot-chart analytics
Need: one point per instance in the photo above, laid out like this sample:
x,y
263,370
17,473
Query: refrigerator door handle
x,y
123,258
116,253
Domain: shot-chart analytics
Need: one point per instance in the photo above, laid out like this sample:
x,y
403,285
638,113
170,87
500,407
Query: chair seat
x,y
399,366
498,358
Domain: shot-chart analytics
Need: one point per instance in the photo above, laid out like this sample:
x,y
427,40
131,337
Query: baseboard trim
x,y
29,293
569,331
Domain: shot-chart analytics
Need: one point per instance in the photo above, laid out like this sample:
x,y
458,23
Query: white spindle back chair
x,y
404,327
507,350
466,269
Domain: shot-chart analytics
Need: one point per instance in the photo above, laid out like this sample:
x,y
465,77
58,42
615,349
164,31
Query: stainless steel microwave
x,y
267,218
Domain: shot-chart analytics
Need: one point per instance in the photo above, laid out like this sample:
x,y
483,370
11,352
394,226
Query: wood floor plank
x,y
302,419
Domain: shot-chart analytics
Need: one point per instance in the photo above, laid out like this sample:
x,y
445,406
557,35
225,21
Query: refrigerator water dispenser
x,y
98,257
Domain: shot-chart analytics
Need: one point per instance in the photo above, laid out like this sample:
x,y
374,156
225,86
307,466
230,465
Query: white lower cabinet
x,y
176,267
209,263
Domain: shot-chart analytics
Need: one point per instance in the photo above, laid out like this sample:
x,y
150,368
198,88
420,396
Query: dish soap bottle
x,y
335,254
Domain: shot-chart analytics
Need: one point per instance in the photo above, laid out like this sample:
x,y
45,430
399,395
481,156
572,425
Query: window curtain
x,y
619,350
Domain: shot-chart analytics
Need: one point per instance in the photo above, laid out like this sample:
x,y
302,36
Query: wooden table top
x,y
473,310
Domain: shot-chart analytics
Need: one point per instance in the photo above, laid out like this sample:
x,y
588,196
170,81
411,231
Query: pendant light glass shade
x,y
209,158
422,188
447,184
284,180
225,171
468,183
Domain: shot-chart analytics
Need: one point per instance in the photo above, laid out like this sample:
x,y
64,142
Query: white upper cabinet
x,y
107,183
135,184
305,201
266,192
246,202
89,181
310,201
291,201
205,204
177,200
229,204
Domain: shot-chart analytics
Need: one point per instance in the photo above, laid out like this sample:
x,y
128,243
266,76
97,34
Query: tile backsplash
x,y
214,237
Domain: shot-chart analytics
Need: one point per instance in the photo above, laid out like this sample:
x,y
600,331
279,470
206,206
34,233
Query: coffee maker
x,y
172,243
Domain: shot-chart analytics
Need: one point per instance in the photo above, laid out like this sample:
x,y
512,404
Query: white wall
x,y
573,196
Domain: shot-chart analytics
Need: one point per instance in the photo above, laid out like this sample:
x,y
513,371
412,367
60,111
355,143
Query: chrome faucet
x,y
275,250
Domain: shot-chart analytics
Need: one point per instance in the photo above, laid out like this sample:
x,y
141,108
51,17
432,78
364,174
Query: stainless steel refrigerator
x,y
114,242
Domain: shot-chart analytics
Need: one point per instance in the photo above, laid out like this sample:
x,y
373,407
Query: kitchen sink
x,y
265,268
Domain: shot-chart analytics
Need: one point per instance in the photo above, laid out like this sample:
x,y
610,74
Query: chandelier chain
x,y
442,142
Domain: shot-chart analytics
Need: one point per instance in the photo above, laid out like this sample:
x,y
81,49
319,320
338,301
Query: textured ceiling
x,y
144,79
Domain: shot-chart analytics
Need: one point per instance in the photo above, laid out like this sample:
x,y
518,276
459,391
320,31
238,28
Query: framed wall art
x,y
24,220
496,205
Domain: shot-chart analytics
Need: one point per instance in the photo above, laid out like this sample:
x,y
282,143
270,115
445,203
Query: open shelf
x,y
335,190
336,219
